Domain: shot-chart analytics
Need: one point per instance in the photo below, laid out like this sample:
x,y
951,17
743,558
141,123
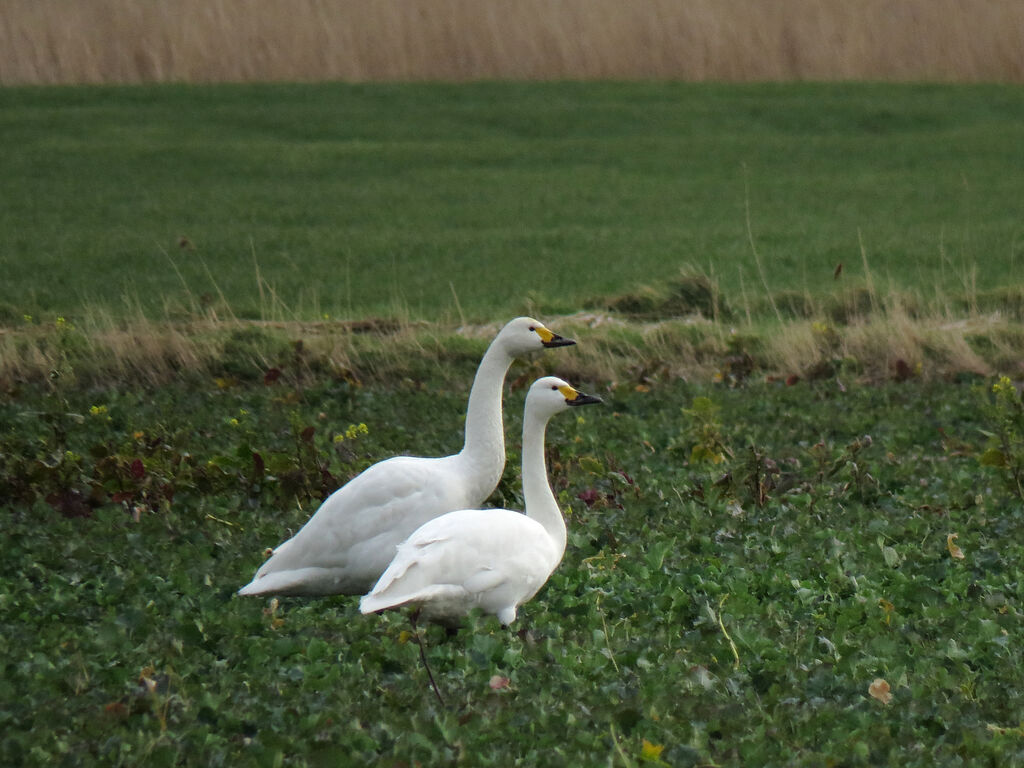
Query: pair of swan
x,y
455,555
496,559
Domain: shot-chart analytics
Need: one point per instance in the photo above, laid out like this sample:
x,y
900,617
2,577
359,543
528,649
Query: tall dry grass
x,y
130,41
886,345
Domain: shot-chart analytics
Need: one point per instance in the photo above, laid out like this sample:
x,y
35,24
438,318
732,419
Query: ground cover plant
x,y
821,573
463,202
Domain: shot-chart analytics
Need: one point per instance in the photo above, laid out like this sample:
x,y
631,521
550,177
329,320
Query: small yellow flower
x,y
233,422
27,318
98,410
339,438
1004,385
354,430
650,751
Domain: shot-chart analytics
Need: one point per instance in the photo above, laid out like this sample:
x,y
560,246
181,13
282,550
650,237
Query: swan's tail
x,y
435,594
301,581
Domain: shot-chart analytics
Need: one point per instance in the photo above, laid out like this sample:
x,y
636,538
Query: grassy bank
x,y
881,346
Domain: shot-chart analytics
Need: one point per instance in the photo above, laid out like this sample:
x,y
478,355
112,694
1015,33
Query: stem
x,y
721,625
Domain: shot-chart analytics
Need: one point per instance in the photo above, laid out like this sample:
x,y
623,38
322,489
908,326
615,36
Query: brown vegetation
x,y
884,345
128,41
686,328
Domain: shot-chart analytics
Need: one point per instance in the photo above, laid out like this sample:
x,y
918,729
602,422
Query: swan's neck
x,y
484,448
540,501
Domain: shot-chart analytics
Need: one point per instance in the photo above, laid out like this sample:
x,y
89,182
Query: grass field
x,y
795,528
431,202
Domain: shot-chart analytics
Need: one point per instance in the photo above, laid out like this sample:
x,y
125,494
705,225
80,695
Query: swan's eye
x,y
554,386
533,328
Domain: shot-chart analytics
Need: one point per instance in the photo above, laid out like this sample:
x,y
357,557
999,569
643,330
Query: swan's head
x,y
551,394
524,335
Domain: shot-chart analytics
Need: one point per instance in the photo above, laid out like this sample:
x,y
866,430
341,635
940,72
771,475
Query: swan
x,y
496,559
351,538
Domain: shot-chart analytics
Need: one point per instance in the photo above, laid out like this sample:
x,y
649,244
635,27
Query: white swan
x,y
493,558
351,538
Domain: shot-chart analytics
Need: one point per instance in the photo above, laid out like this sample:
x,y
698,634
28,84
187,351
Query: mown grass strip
x,y
439,202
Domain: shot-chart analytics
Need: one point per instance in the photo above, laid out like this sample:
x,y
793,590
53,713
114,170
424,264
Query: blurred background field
x,y
462,203
126,41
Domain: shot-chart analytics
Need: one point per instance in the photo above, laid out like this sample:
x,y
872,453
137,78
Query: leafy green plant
x,y
77,462
1005,432
751,622
847,465
701,439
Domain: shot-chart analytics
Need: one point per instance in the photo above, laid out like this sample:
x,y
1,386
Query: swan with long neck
x,y
496,559
351,538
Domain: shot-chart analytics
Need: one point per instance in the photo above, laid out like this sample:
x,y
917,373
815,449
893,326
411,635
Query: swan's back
x,y
496,559
354,534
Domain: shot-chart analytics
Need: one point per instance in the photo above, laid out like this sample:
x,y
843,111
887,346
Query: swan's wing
x,y
353,535
493,558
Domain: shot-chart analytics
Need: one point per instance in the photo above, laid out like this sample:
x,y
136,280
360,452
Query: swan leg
x,y
423,656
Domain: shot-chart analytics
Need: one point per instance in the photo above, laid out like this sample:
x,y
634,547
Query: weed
x,y
701,440
1005,432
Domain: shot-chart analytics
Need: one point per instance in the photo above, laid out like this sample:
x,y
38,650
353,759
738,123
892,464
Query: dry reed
x,y
127,41
884,345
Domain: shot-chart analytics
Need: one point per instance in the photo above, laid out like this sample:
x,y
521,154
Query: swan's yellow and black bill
x,y
549,339
575,397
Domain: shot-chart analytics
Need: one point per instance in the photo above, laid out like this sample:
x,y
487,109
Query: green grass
x,y
394,199
819,553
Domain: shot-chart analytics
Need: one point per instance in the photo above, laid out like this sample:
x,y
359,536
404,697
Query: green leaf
x,y
993,457
891,556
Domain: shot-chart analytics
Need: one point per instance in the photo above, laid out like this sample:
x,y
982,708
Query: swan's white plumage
x,y
494,559
340,551
352,537
460,561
